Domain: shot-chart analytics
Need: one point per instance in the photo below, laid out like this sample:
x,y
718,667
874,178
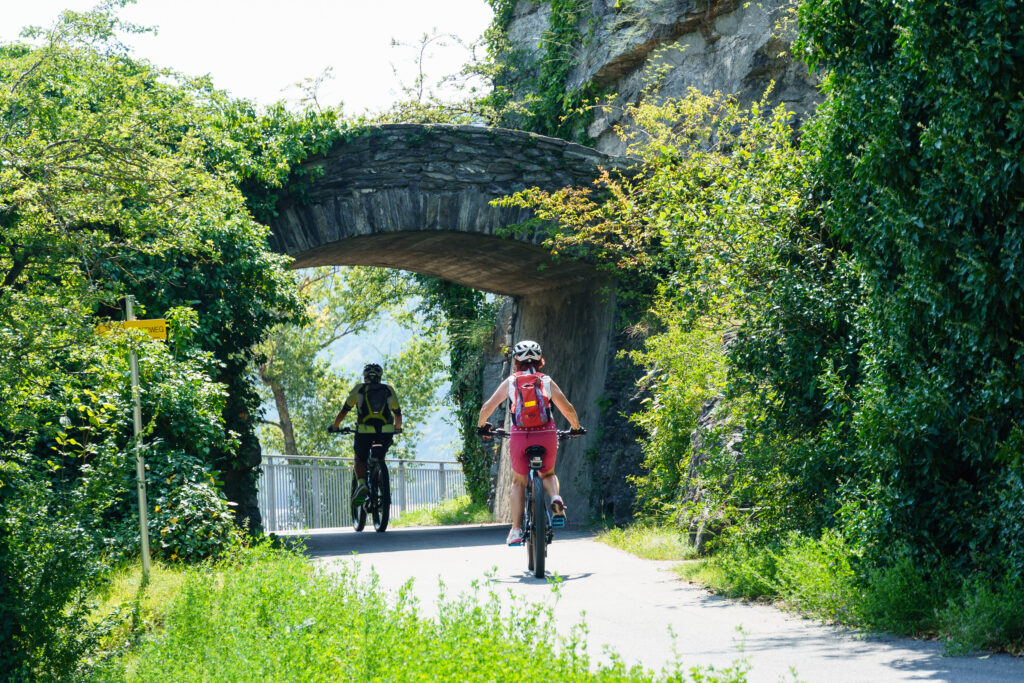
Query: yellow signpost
x,y
156,329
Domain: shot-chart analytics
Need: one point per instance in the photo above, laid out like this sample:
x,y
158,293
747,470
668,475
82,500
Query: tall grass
x,y
459,510
650,542
124,609
270,616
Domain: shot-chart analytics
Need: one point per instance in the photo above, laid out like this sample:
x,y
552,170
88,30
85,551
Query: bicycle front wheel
x,y
382,506
539,530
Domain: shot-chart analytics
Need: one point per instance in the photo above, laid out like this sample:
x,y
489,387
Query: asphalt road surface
x,y
633,606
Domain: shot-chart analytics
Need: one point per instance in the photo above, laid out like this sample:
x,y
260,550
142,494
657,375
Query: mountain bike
x,y
538,531
377,504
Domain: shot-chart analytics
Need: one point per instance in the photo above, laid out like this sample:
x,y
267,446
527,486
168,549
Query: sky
x,y
258,49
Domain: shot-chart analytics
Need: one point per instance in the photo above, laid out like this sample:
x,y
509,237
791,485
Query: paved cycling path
x,y
631,604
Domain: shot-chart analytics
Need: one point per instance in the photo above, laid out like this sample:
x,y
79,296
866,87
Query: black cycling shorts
x,y
362,443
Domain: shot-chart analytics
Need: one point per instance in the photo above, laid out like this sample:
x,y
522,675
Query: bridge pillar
x,y
574,328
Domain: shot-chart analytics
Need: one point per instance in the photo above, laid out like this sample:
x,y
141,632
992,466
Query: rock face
x,y
736,47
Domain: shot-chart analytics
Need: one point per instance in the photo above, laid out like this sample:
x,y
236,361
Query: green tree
x,y
110,184
921,143
338,302
307,390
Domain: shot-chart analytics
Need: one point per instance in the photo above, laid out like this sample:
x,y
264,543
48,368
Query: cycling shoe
x,y
557,512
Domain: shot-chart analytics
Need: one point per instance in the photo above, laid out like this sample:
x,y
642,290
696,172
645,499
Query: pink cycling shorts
x,y
521,438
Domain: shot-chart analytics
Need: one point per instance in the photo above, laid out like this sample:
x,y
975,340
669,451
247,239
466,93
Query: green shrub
x,y
193,521
918,155
988,613
813,576
746,571
816,577
50,561
903,597
687,370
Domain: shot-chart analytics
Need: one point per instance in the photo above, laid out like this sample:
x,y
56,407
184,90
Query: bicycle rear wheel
x,y
382,504
528,527
539,529
358,511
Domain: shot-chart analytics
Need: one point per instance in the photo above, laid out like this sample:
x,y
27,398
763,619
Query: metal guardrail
x,y
310,492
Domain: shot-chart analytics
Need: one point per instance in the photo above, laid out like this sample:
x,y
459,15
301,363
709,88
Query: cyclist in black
x,y
378,419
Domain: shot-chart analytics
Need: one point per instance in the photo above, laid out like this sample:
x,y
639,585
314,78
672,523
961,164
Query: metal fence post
x,y
401,487
140,464
268,482
317,522
443,483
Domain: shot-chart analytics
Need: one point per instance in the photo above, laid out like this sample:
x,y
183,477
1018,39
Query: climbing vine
x,y
551,108
468,319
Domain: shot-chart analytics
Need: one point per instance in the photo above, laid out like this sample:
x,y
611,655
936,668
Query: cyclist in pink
x,y
528,360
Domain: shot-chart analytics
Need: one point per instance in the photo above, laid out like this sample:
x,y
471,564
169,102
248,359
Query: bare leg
x,y
517,499
550,482
360,468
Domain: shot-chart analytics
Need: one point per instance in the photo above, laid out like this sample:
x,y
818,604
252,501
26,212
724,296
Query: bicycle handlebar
x,y
349,430
563,434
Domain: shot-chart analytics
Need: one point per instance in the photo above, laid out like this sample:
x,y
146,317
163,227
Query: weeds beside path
x,y
455,511
821,579
272,616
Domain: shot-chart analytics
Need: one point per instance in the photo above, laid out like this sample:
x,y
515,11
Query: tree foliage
x,y
298,370
922,142
716,219
116,178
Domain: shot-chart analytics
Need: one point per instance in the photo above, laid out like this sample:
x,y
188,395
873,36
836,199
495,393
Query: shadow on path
x,y
642,611
334,542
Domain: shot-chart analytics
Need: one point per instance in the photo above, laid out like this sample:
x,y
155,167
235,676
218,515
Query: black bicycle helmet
x,y
372,372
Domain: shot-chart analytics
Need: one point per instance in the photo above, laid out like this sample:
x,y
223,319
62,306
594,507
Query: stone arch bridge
x,y
417,198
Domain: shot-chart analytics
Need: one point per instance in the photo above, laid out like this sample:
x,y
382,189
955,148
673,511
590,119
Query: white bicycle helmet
x,y
526,350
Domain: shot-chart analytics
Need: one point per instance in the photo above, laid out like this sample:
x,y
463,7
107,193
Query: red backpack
x,y
530,408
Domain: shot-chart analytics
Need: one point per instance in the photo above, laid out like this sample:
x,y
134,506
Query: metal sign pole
x,y
140,465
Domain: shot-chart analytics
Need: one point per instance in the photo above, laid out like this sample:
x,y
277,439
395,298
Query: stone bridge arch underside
x,y
418,198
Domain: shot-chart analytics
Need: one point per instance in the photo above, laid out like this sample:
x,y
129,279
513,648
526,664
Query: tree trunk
x,y
285,419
